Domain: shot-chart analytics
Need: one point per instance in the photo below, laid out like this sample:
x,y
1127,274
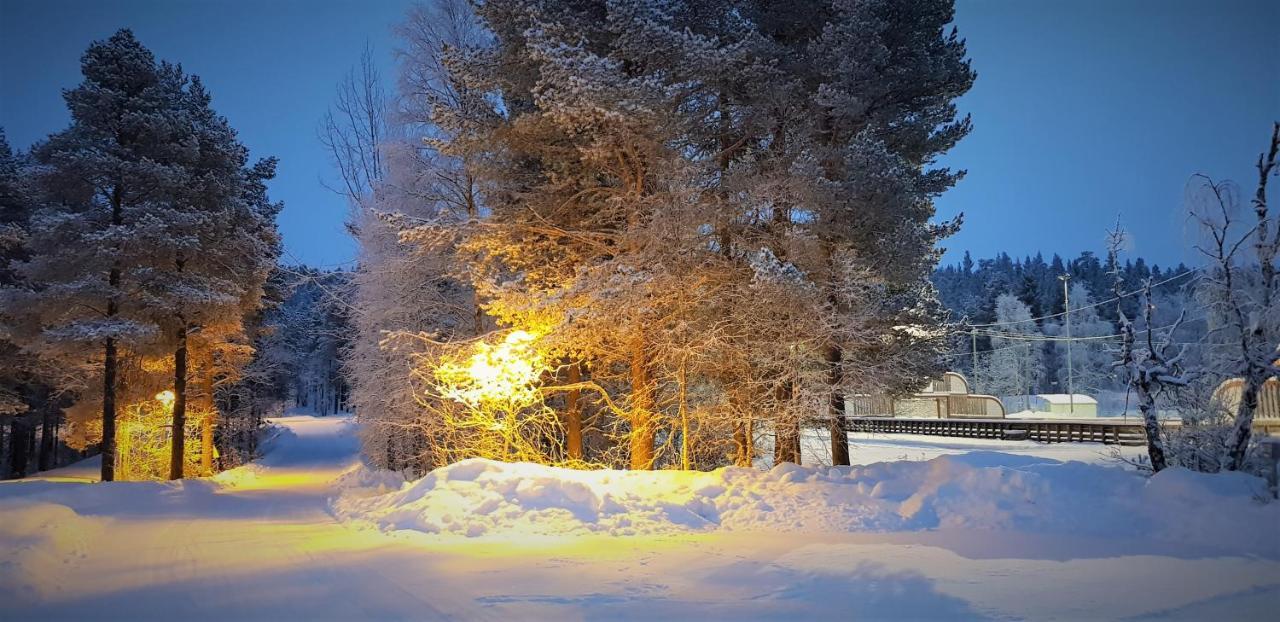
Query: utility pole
x,y
973,335
1066,305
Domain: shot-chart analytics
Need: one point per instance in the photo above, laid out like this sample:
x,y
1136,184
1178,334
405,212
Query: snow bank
x,y
38,539
978,491
361,480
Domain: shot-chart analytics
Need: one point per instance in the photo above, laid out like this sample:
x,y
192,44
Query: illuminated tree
x,y
221,243
718,212
150,228
91,236
406,289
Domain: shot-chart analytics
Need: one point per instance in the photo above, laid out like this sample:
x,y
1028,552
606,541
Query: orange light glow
x,y
505,373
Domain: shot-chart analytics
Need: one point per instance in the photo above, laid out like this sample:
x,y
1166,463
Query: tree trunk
x,y
641,408
1237,444
686,461
787,442
48,436
18,448
573,415
838,426
178,440
1151,424
786,433
253,433
743,443
739,443
206,423
109,364
206,444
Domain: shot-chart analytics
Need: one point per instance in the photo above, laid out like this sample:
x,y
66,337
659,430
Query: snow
x,y
84,471
945,528
1066,398
986,491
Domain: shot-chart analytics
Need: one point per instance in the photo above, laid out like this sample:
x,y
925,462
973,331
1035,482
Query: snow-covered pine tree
x,y
220,242
15,205
580,158
890,74
627,150
92,234
864,107
26,400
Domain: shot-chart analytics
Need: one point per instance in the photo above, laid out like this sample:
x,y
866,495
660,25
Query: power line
x,y
1096,304
1025,337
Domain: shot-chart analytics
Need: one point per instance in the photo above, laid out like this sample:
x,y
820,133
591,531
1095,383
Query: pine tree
x,y
14,211
880,79
24,399
714,168
220,243
92,237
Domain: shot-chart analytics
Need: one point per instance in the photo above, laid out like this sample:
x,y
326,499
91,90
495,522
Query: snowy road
x,y
262,543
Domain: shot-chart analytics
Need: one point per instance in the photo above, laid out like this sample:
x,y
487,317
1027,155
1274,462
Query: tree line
x,y
1010,318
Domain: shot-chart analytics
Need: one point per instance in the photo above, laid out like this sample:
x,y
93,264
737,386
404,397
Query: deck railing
x,y
1043,430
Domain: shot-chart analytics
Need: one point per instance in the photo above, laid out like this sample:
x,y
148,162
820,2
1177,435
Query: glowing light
x,y
504,373
144,438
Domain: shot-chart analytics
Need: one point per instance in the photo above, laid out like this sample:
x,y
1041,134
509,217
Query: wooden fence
x,y
1043,430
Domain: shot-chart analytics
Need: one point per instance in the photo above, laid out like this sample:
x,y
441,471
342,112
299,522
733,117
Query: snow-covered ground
x,y
951,529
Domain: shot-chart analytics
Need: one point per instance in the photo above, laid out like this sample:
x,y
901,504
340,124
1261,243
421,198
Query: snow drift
x,y
977,491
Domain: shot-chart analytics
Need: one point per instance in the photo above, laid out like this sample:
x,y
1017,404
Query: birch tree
x,y
1240,288
1014,365
1148,364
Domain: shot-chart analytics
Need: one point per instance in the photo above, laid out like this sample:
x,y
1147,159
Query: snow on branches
x,y
711,241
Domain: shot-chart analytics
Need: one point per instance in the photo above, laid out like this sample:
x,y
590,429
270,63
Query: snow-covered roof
x,y
1065,398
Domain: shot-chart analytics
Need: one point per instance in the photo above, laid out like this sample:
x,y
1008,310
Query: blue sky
x,y
1083,110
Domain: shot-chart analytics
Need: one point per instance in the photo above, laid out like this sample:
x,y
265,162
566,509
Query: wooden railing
x,y
1043,430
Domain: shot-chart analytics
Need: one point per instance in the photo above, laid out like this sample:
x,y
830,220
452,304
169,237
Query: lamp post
x,y
1066,305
